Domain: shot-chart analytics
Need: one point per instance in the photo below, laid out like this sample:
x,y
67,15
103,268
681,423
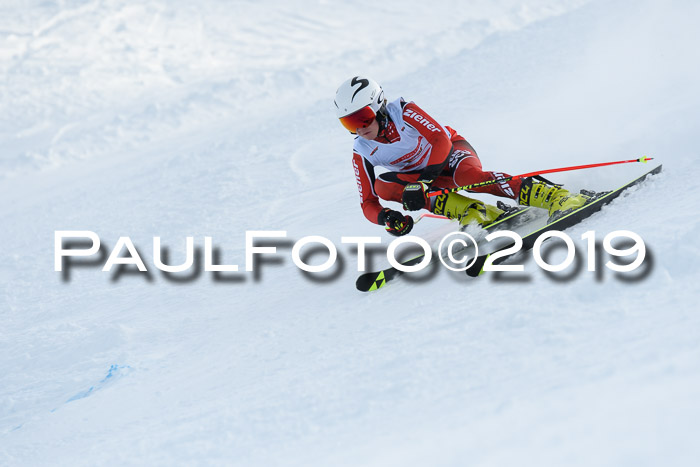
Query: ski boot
x,y
554,198
466,210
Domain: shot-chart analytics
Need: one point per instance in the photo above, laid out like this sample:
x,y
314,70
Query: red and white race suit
x,y
413,147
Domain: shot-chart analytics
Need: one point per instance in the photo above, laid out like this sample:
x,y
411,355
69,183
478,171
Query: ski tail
x,y
371,281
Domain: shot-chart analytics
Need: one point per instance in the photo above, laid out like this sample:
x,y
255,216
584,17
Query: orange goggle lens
x,y
360,119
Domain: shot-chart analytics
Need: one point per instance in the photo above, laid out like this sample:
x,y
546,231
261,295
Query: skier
x,y
422,155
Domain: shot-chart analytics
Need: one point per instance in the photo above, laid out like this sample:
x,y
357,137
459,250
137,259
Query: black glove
x,y
414,196
395,223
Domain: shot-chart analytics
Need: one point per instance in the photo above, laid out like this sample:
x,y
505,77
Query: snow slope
x,y
174,120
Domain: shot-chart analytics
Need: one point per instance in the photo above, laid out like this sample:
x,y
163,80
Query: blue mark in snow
x,y
114,372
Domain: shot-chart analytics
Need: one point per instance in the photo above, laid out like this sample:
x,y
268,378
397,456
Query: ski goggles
x,y
360,119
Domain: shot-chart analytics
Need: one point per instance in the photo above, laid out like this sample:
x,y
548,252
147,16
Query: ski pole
x,y
444,191
429,214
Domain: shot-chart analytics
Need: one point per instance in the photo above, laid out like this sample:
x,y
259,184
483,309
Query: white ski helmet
x,y
358,101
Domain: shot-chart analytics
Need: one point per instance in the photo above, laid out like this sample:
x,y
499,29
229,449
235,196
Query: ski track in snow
x,y
176,120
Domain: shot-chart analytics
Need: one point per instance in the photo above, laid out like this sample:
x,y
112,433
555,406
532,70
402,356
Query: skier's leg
x,y
528,191
389,186
465,168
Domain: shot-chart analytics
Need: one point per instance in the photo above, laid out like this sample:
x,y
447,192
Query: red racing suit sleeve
x,y
435,134
364,175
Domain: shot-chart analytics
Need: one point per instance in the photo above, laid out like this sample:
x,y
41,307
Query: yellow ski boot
x,y
466,210
554,198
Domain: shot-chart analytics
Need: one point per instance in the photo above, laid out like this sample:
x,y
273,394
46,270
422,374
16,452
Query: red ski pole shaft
x,y
532,174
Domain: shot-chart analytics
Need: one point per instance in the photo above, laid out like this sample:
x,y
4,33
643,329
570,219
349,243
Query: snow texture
x,y
175,119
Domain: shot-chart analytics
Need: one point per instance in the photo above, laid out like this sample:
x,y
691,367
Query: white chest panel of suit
x,y
410,153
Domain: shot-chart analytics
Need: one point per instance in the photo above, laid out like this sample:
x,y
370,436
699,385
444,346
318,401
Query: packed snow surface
x,y
210,119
